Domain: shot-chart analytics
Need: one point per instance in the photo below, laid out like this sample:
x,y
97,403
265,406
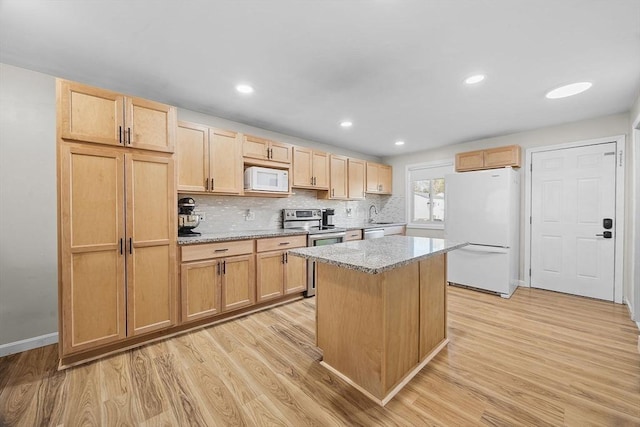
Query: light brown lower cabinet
x,y
216,278
277,273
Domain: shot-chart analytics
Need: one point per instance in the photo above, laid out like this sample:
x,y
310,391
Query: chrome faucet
x,y
375,212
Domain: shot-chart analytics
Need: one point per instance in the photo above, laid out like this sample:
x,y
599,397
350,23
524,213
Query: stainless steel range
x,y
319,235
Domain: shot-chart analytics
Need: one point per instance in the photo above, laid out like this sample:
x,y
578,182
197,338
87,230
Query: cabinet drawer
x,y
353,235
277,243
215,250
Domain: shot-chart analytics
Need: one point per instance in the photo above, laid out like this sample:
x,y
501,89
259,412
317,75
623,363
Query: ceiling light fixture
x,y
474,79
346,124
243,88
568,90
399,142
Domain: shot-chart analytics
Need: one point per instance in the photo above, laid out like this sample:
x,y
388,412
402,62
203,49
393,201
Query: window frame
x,y
444,167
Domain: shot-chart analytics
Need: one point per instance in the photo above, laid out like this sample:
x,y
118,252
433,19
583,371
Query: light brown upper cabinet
x,y
338,186
378,178
117,245
208,160
96,115
265,152
356,176
310,168
491,158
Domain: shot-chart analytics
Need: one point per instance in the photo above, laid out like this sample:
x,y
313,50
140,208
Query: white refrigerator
x,y
483,208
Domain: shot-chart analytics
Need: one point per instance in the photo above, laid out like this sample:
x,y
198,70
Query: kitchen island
x,y
381,309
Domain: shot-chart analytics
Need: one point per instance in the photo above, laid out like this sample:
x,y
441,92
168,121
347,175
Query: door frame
x,y
619,218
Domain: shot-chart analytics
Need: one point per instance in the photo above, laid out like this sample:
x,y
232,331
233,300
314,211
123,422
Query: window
x,y
425,194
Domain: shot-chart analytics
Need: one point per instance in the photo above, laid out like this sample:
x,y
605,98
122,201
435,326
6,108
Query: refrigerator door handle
x,y
485,249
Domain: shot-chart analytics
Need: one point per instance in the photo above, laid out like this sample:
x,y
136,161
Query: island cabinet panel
x,y
368,324
433,303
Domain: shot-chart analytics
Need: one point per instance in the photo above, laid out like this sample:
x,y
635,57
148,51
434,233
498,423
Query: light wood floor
x,y
539,359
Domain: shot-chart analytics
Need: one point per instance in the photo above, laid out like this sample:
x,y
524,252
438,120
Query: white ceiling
x,y
395,68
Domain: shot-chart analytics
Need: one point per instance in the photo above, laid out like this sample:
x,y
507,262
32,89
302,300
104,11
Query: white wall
x,y
28,233
570,132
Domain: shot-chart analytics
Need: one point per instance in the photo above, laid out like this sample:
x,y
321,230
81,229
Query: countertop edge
x,y
381,269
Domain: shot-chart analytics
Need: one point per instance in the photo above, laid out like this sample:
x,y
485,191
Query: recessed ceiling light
x,y
244,89
568,90
474,79
399,142
346,124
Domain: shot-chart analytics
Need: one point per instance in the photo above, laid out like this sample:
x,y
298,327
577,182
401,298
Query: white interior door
x,y
572,196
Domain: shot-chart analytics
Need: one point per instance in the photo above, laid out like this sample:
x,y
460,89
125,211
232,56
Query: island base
x,y
397,388
377,331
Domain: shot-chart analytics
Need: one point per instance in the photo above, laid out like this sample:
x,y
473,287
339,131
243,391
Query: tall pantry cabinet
x,y
116,219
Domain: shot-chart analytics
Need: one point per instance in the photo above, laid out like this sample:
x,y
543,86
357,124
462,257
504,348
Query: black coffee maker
x,y
327,217
187,219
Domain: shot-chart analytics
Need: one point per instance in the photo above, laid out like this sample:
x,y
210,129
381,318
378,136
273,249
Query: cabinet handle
x,y
284,243
119,134
311,180
221,250
129,135
211,184
206,184
218,268
286,257
121,246
282,261
130,245
333,192
224,267
314,180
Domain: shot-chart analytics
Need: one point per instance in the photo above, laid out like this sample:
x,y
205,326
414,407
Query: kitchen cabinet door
x,y
471,160
280,152
90,114
295,274
320,169
378,178
270,275
384,179
302,167
151,244
255,148
338,180
356,173
92,262
192,154
502,157
238,282
225,162
150,125
200,284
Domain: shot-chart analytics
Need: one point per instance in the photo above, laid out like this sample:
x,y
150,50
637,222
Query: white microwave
x,y
266,179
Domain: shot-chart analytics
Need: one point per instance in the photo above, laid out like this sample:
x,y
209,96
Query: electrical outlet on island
x,y
250,216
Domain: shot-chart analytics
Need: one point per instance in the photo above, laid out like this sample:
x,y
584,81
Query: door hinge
x,y
530,220
531,167
620,158
529,272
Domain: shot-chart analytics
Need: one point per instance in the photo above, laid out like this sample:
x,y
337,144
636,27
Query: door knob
x,y
605,234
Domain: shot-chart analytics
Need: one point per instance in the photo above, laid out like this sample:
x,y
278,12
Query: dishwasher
x,y
373,233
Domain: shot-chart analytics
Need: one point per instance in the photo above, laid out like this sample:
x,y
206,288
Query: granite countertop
x,y
237,235
377,255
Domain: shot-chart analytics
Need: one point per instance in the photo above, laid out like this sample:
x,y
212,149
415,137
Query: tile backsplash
x,y
229,213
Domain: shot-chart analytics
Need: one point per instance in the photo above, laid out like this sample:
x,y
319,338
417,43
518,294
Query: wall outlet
x,y
249,216
348,212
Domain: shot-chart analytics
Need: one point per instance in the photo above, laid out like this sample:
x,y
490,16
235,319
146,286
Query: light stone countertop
x,y
377,255
366,225
237,235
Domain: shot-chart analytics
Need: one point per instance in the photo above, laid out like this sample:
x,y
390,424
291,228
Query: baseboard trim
x,y
523,284
28,344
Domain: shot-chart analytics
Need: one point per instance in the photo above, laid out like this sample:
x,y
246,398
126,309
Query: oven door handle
x,y
326,236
